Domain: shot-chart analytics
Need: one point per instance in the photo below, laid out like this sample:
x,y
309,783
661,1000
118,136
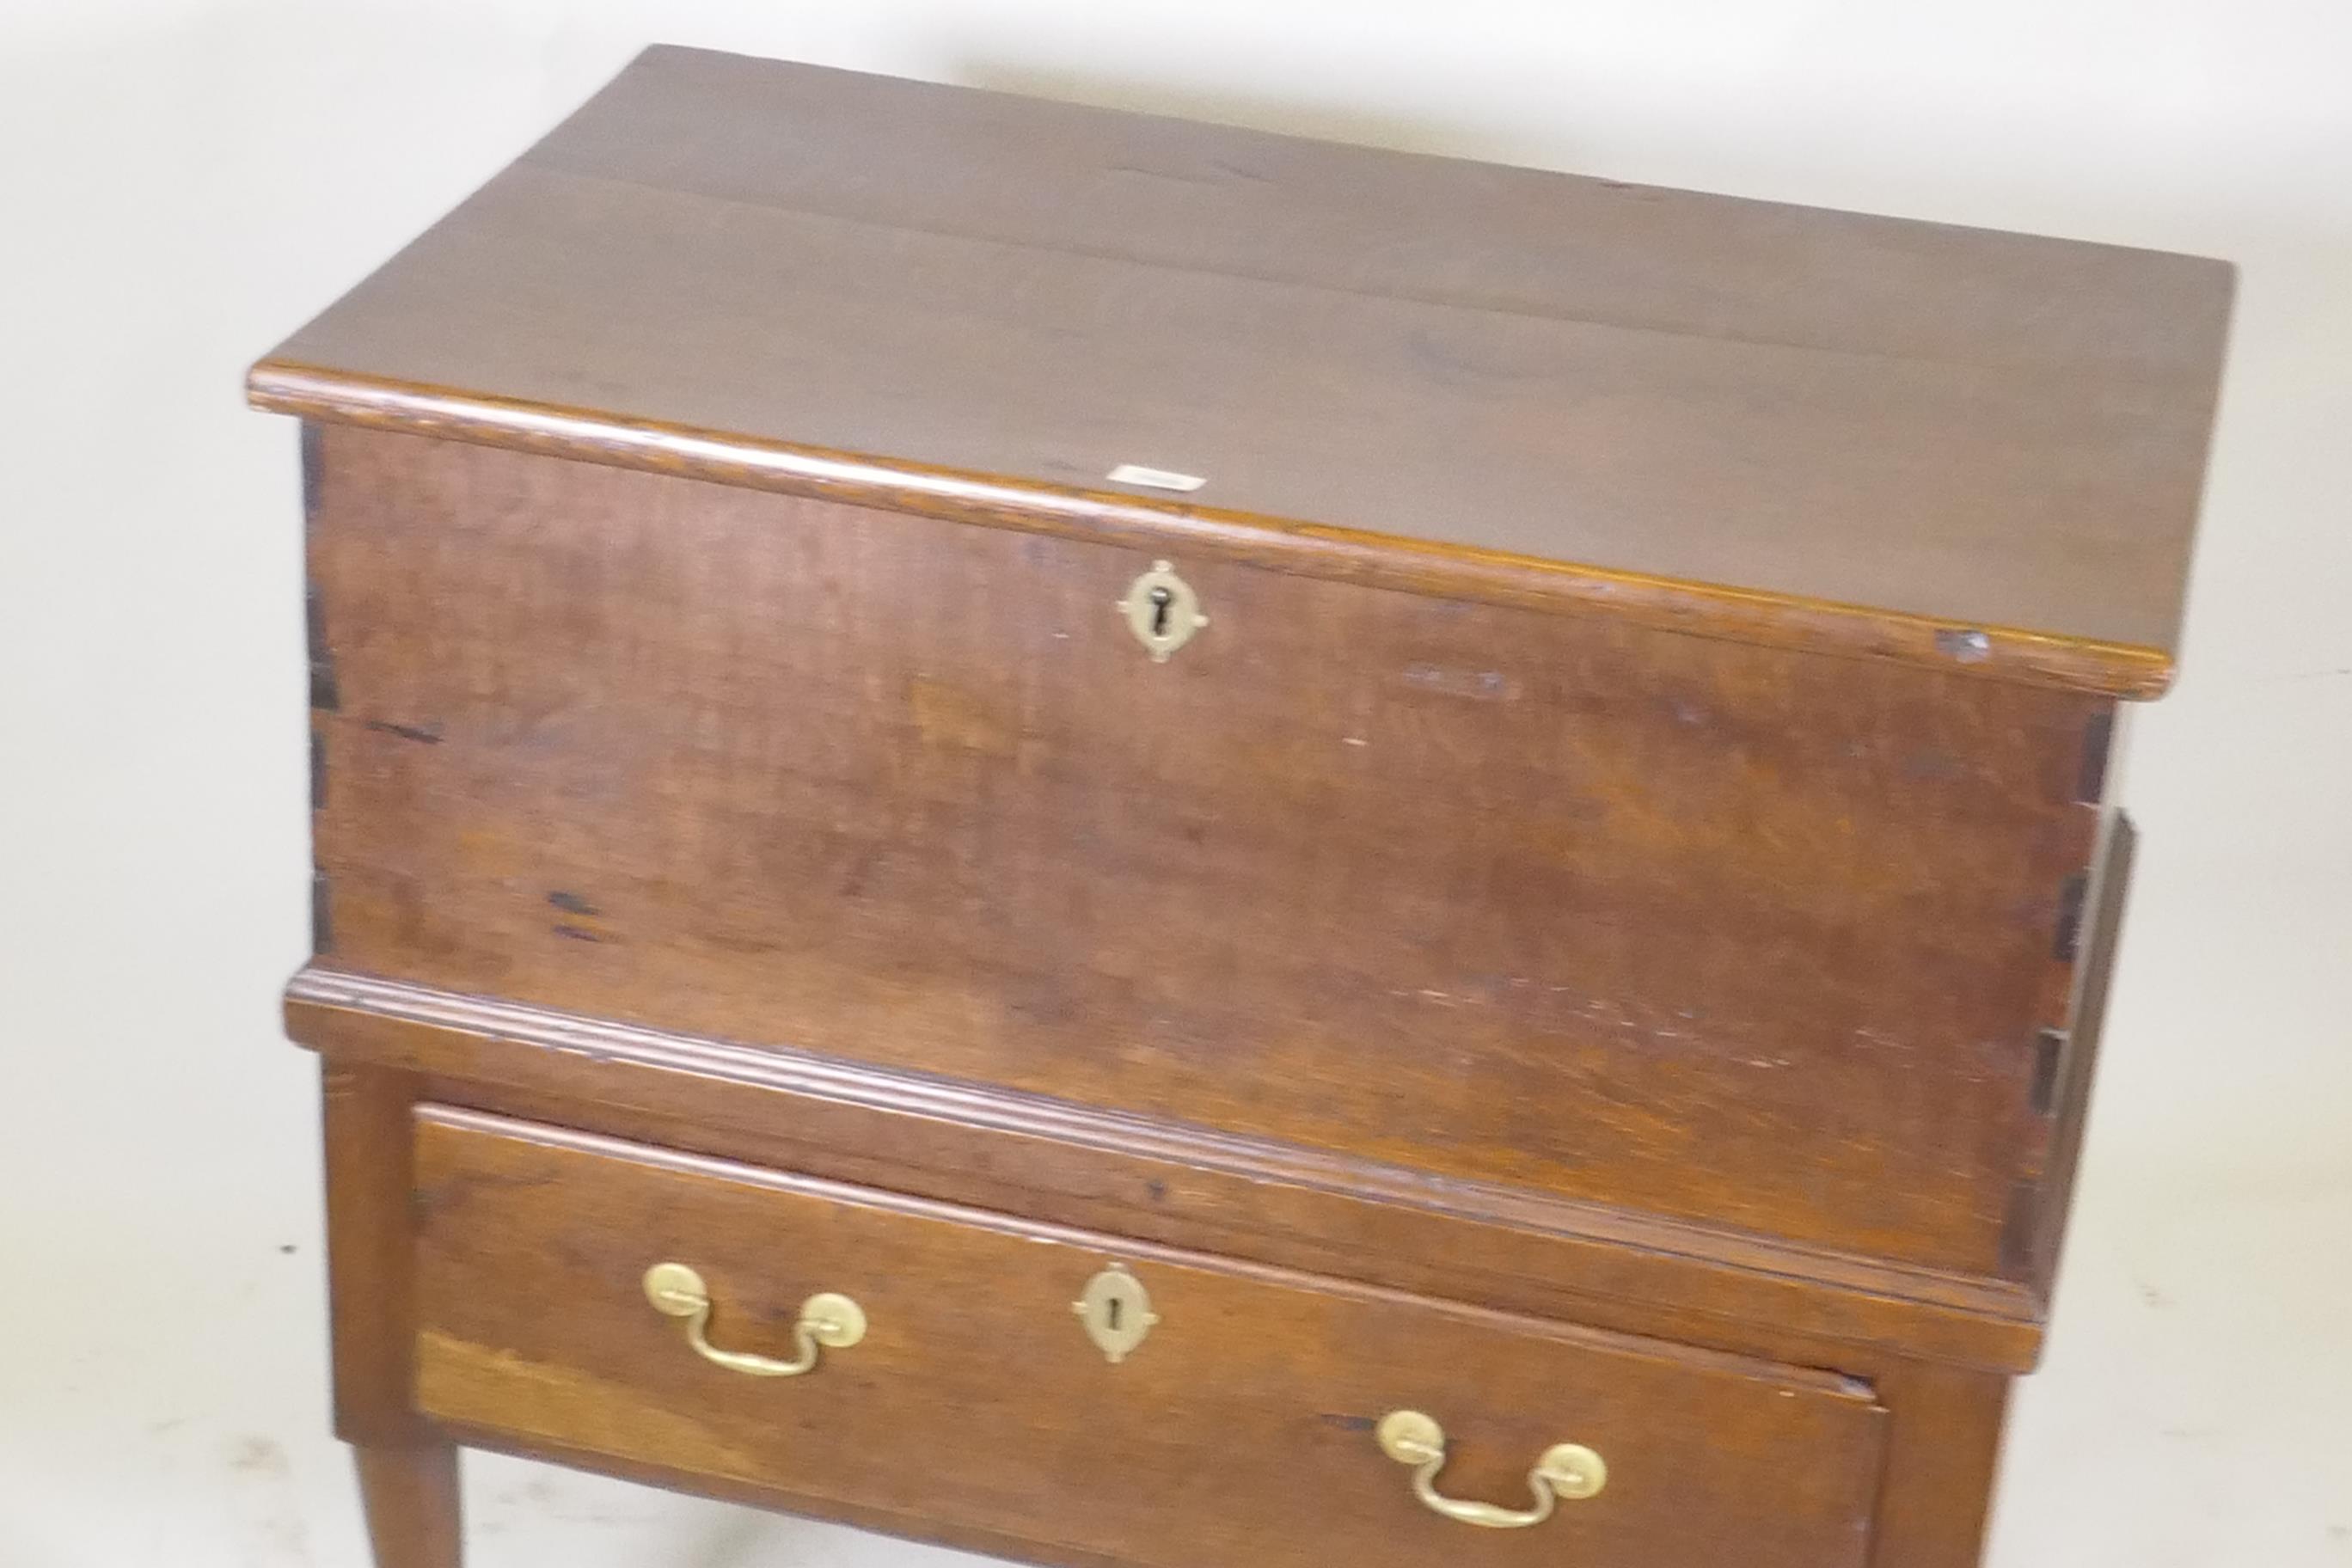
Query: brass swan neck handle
x,y
827,1321
1565,1470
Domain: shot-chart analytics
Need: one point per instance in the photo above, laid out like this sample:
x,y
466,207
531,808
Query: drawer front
x,y
1242,1427
1743,936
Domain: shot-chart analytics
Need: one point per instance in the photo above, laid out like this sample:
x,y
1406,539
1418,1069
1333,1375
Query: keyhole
x,y
1110,1312
1162,611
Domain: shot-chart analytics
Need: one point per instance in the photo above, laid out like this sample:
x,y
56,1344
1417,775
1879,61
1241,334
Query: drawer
x,y
1242,1427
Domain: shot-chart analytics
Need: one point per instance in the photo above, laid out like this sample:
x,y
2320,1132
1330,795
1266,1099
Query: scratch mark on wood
x,y
425,734
2017,1227
1345,1423
1480,685
1966,646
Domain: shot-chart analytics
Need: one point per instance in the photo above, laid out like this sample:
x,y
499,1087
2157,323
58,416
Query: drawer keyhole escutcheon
x,y
1162,611
827,1321
1569,1470
1116,1311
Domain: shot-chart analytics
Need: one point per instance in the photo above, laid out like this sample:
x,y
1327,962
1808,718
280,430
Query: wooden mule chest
x,y
1134,843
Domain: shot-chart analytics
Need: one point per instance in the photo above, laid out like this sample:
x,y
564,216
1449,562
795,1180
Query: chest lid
x,y
1874,436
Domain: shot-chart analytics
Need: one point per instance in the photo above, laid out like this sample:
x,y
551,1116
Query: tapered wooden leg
x,y
408,1471
1941,1457
411,1498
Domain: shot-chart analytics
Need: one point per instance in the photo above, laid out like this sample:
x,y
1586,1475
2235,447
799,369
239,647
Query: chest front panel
x,y
1722,933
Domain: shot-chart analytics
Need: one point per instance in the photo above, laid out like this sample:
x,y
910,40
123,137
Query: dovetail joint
x,y
2098,745
2068,942
314,473
323,695
2049,1054
323,930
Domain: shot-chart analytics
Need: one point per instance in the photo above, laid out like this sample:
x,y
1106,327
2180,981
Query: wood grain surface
x,y
1183,1186
409,1496
1753,938
370,1250
1781,423
1240,1430
1602,937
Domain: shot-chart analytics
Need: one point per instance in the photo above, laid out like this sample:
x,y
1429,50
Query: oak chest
x,y
1136,843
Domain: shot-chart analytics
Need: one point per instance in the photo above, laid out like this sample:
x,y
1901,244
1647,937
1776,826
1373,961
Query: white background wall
x,y
182,183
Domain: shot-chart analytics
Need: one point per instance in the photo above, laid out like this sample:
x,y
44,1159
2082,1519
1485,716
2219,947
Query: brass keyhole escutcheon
x,y
1162,611
1116,1311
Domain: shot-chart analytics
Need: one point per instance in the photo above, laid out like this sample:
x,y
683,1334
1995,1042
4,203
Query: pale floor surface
x,y
178,194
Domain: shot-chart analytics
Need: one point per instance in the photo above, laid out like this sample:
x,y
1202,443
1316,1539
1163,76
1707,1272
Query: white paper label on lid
x,y
1157,479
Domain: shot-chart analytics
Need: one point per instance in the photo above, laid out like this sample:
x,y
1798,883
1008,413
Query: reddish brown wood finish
x,y
1351,555
410,1497
1598,939
1844,431
2078,1051
1264,1202
407,1468
1728,934
1240,1430
1943,1448
370,1249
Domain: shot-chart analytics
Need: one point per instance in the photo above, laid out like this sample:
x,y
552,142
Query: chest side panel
x,y
1722,933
